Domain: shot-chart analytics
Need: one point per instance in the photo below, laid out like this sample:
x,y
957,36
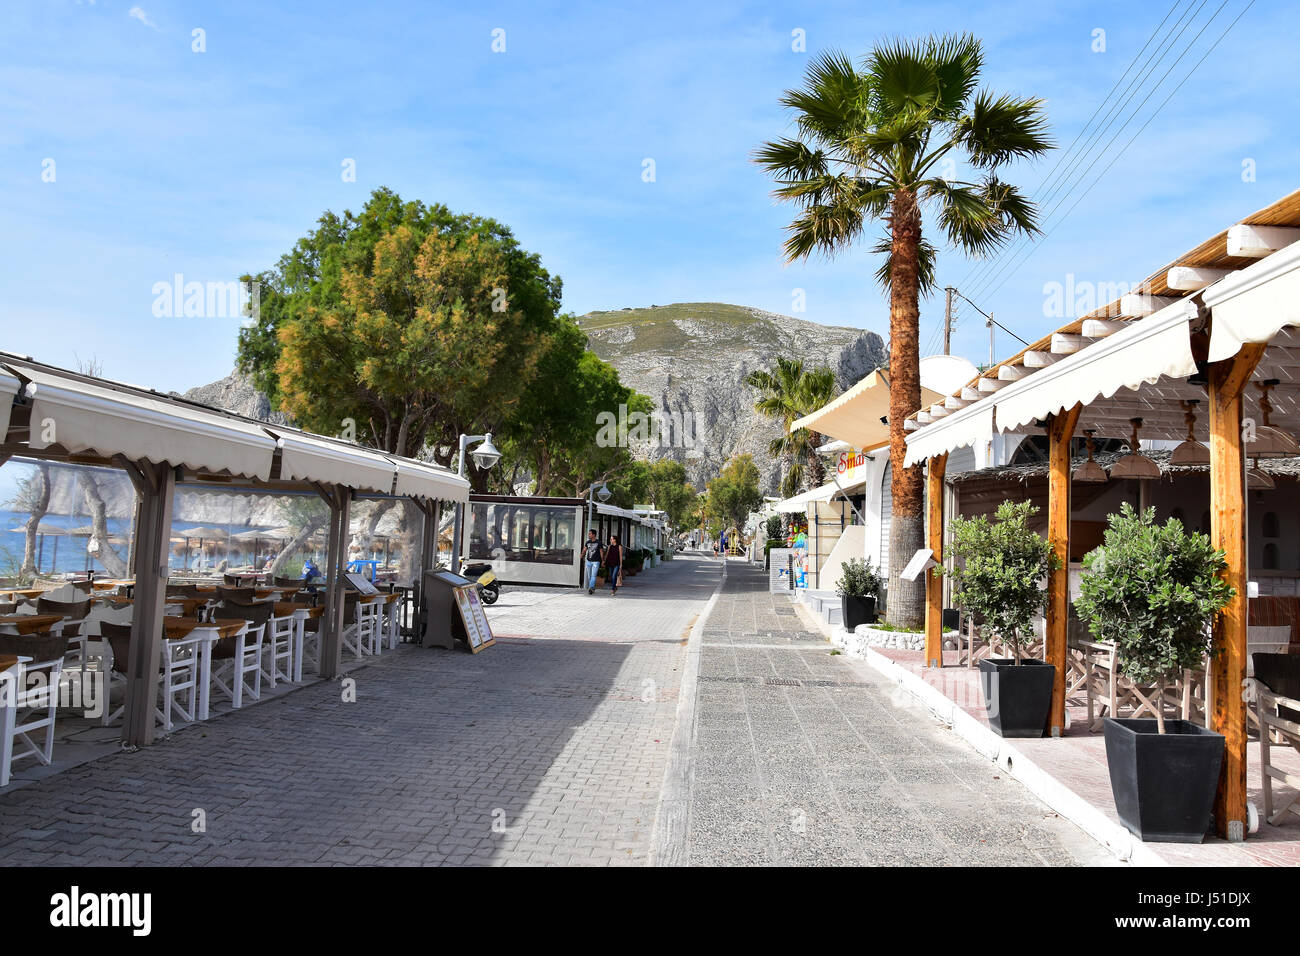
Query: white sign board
x,y
921,562
477,630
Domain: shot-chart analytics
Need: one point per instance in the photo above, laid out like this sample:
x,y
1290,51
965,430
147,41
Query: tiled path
x,y
544,750
1078,762
804,757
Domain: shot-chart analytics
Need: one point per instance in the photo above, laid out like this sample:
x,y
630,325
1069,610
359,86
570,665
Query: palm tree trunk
x,y
905,607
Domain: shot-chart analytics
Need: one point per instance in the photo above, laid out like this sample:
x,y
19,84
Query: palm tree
x,y
872,145
787,393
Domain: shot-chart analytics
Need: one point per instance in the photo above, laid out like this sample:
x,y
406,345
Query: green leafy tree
x,y
1153,590
734,493
414,323
1000,569
670,492
787,393
881,143
554,432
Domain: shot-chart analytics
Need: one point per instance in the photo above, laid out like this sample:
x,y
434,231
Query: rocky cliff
x,y
693,358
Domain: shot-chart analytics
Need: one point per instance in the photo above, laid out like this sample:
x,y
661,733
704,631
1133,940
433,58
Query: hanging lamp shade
x,y
1135,464
1090,472
1269,441
1191,451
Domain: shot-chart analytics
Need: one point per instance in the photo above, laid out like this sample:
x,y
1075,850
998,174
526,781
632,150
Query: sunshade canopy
x,y
860,416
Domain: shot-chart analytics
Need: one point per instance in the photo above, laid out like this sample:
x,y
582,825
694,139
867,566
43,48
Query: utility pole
x,y
947,322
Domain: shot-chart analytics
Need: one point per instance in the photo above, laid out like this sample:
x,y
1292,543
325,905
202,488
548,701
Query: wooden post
x,y
1060,430
155,485
934,492
1228,532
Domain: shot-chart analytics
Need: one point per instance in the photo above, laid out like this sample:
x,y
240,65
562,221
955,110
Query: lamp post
x,y
600,491
485,456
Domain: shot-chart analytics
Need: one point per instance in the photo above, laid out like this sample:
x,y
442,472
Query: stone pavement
x,y
804,757
548,749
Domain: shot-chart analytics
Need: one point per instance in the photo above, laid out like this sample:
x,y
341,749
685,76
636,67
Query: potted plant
x,y
998,575
1154,590
858,588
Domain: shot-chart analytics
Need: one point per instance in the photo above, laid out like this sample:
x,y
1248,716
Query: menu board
x,y
477,629
359,582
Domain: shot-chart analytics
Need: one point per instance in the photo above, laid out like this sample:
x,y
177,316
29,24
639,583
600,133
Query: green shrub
x,y
858,579
1153,590
999,568
774,526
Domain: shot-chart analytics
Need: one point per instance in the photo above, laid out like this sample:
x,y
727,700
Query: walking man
x,y
591,554
613,563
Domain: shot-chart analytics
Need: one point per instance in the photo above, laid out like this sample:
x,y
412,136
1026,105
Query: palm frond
x,y
926,254
902,79
822,228
1000,128
958,60
788,159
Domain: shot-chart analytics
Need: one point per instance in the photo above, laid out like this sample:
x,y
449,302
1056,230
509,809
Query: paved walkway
x,y
542,750
804,757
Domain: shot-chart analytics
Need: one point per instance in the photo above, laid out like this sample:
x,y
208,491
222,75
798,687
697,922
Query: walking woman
x,y
613,563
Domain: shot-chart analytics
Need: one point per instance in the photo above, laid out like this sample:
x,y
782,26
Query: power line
x,y
1156,113
1095,150
1014,265
980,270
998,267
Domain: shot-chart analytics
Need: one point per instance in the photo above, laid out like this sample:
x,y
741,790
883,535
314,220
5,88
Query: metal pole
x,y
458,527
947,322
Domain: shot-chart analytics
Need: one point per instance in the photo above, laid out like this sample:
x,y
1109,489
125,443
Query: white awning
x,y
855,416
10,386
826,492
1255,303
307,457
1142,352
966,426
84,416
420,479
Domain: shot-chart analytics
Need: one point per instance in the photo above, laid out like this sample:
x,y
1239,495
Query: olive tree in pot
x,y
858,588
1154,590
998,575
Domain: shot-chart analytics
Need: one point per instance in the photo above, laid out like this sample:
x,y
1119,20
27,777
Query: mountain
x,y
692,358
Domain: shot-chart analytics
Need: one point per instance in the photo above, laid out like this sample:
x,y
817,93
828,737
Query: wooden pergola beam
x,y
1227,381
934,473
1060,430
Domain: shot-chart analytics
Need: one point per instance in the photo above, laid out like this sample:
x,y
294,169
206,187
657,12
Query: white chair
x,y
277,657
178,674
370,624
237,661
30,703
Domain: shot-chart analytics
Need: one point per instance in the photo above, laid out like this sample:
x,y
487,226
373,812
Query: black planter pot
x,y
857,610
1163,784
1018,697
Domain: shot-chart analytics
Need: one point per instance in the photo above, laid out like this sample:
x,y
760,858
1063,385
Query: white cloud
x,y
137,13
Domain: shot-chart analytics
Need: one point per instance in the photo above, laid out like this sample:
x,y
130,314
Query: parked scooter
x,y
489,588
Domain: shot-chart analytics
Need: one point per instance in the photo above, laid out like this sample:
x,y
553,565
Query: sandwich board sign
x,y
477,630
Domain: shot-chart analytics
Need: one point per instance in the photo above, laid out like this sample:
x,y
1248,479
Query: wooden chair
x,y
1276,691
30,706
239,595
178,670
238,659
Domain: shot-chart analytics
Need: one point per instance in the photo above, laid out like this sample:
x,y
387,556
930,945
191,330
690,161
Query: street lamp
x,y
485,455
600,491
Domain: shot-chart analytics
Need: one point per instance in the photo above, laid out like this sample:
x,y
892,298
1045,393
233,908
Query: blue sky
x,y
211,164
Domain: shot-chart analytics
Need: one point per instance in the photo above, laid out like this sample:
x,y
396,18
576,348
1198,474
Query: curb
x,y
672,818
1014,763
